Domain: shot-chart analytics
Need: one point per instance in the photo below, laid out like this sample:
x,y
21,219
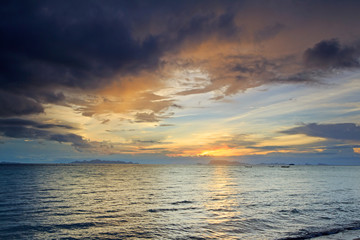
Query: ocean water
x,y
177,201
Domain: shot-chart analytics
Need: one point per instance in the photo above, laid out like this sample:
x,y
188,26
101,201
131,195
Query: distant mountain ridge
x,y
98,161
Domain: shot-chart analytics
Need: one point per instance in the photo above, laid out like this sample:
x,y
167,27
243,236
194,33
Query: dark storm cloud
x,y
16,105
339,131
47,45
331,54
75,45
20,128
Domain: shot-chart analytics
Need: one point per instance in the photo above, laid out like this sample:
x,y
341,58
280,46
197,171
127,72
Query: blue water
x,y
177,202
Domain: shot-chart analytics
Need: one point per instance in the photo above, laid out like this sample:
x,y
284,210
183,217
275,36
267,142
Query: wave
x,y
306,234
170,209
182,202
51,228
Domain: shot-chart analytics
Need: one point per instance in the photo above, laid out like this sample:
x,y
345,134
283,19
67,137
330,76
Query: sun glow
x,y
224,151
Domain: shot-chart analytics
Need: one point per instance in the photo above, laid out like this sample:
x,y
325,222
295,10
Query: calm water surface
x,y
177,202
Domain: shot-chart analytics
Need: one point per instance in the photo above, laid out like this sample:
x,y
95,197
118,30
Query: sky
x,y
180,81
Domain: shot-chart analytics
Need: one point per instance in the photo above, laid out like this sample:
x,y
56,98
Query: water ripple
x,y
177,202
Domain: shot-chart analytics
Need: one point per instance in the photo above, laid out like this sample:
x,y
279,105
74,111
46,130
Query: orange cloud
x,y
128,94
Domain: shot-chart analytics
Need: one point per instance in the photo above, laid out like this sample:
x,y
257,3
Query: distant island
x,y
98,161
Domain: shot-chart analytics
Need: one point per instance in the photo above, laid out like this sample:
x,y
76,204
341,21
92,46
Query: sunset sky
x,y
180,81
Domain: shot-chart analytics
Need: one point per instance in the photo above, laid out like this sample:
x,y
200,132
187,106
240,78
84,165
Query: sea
x,y
134,201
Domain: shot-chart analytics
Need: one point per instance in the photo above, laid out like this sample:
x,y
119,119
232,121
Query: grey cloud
x,y
23,132
76,140
17,122
331,54
17,105
339,131
147,117
21,128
